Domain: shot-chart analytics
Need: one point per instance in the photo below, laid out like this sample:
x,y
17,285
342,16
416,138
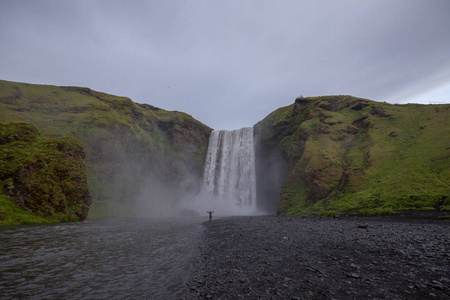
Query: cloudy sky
x,y
230,63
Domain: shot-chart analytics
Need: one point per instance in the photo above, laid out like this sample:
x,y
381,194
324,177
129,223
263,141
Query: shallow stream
x,y
99,259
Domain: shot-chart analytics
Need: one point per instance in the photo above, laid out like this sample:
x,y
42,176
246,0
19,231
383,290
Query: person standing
x,y
210,215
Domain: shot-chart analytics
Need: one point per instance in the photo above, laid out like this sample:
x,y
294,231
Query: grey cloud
x,y
229,63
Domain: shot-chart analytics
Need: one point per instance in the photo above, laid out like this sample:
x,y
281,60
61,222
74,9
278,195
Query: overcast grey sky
x,y
230,63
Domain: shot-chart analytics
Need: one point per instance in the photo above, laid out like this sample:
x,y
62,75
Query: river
x,y
124,258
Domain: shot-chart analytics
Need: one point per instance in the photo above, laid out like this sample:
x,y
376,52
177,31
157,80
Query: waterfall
x,y
230,168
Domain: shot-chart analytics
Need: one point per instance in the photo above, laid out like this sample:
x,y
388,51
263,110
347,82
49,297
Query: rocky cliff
x,y
140,159
339,154
45,177
326,155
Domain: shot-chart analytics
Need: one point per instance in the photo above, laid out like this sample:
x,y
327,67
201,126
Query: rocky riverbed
x,y
269,257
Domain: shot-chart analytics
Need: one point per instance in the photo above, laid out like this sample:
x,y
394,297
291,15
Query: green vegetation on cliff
x,y
41,179
330,155
355,156
136,154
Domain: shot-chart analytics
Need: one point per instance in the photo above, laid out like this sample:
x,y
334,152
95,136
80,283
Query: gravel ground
x,y
269,257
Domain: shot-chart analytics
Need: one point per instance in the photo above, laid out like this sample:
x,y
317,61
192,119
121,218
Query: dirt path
x,y
311,258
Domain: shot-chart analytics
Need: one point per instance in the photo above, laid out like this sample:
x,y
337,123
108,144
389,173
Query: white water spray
x,y
229,173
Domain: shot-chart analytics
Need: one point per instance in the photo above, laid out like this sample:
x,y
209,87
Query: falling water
x,y
230,168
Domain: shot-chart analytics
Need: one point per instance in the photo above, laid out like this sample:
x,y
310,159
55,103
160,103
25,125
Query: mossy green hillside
x,y
11,214
41,179
356,156
133,151
344,154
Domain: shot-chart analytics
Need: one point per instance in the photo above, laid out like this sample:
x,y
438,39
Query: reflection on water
x,y
99,259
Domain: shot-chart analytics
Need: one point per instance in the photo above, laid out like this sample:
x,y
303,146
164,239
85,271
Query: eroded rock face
x,y
44,176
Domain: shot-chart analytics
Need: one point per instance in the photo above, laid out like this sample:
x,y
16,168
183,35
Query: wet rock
x,y
323,259
437,285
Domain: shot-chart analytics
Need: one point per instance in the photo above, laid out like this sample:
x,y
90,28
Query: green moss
x,y
293,203
11,214
43,176
124,141
357,156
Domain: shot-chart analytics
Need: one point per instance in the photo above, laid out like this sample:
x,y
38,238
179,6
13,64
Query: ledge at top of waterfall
x,y
229,176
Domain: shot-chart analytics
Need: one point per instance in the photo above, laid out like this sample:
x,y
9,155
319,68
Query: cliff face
x,y
46,177
323,155
340,154
138,157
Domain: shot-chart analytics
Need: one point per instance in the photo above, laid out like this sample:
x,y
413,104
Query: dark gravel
x,y
271,257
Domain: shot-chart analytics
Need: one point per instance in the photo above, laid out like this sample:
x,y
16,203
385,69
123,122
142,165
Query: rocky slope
x,y
45,177
140,159
340,154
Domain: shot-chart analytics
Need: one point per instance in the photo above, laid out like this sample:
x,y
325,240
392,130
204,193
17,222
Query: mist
x,y
240,177
149,193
